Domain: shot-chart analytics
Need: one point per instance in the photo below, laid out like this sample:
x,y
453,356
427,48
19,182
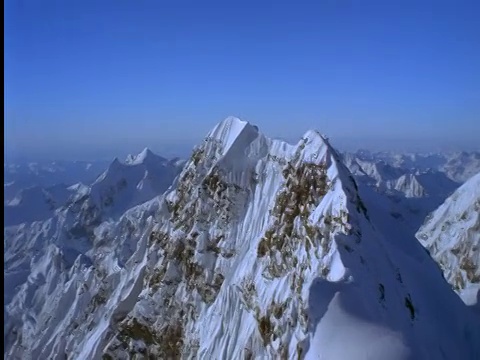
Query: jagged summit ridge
x,y
265,228
242,196
230,129
146,155
229,138
243,140
256,251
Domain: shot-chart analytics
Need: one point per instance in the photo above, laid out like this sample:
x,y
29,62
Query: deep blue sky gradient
x,y
93,78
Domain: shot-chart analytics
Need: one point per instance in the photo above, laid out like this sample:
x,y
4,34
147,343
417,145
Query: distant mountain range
x,y
457,166
251,248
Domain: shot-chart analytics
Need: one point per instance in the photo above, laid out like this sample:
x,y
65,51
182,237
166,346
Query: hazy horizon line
x,y
183,149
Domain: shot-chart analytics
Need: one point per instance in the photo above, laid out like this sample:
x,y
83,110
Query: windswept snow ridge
x,y
452,235
260,249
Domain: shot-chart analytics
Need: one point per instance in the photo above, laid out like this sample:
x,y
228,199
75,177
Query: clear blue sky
x,y
88,77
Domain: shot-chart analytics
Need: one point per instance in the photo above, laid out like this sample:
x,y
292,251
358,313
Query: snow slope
x,y
125,185
63,230
120,187
452,235
462,166
260,249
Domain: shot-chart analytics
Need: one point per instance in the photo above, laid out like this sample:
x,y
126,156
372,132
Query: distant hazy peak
x,y
145,155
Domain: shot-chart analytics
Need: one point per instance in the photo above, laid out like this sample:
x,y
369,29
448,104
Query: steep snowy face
x,y
116,190
125,185
59,275
462,166
452,236
50,263
260,249
380,171
145,156
407,185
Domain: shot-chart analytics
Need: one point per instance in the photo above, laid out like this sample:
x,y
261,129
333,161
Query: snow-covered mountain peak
x,y
408,185
238,142
229,128
233,134
124,185
314,137
274,241
260,249
79,187
115,163
452,235
146,155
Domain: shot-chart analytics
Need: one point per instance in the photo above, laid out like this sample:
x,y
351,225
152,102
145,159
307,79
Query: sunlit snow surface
x,y
452,235
343,281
